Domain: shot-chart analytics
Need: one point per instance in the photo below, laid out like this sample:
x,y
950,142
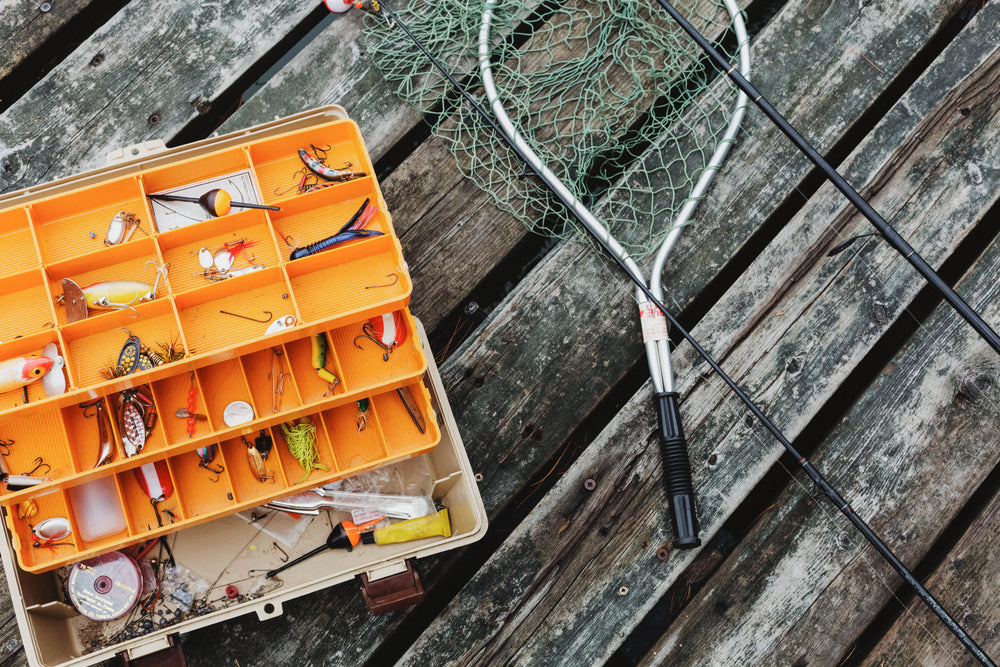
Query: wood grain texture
x,y
575,554
161,60
24,27
517,402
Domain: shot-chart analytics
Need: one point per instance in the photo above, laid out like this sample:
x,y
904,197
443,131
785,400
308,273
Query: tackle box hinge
x,y
170,656
392,593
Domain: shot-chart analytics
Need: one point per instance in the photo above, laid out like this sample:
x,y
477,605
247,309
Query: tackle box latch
x,y
392,593
171,656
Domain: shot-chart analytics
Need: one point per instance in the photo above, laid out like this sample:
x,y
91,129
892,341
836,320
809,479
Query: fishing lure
x,y
121,228
108,295
387,331
351,230
105,447
331,241
323,171
154,480
22,371
136,415
219,277
320,346
256,458
206,455
301,441
222,259
48,532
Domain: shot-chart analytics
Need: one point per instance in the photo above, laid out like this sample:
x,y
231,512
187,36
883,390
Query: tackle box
x,y
385,406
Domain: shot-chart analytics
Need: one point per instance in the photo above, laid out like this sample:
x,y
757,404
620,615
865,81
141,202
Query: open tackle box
x,y
218,321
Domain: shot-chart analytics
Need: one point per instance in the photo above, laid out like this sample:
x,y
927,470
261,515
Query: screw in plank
x,y
589,484
153,119
45,6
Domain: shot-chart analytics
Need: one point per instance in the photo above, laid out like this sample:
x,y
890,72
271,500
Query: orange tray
x,y
57,232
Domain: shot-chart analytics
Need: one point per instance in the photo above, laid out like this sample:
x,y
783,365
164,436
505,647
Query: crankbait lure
x,y
323,171
319,350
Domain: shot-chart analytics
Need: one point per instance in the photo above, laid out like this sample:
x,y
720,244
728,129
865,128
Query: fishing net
x,y
612,96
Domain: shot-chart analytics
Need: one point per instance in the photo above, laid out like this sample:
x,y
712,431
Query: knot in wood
x,y
97,60
974,385
794,365
880,313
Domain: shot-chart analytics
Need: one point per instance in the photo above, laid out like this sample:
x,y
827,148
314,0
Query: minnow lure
x,y
323,171
20,371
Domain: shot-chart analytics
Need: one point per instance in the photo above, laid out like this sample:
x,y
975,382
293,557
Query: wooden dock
x,y
889,393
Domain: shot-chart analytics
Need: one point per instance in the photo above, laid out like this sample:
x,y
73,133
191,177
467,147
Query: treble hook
x,y
39,463
209,468
5,447
369,333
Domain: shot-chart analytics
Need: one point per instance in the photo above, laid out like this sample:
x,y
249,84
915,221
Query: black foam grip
x,y
677,472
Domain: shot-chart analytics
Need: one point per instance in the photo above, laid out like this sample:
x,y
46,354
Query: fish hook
x,y
39,463
161,272
217,471
369,333
252,319
5,447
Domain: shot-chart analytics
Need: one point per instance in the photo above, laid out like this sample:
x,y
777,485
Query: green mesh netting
x,y
613,97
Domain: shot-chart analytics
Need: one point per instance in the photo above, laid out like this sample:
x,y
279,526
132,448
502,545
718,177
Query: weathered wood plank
x,y
531,420
24,27
80,111
334,68
573,553
807,604
966,581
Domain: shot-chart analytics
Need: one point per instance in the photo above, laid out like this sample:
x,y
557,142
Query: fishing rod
x,y
378,8
892,237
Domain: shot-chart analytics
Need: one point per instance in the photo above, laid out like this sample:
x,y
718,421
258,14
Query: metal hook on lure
x,y
369,333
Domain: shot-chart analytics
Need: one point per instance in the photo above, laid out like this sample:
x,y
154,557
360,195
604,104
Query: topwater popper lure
x,y
21,371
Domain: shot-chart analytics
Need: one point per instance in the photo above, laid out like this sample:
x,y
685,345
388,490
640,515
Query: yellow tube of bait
x,y
412,529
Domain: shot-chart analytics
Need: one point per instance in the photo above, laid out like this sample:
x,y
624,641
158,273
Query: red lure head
x,y
34,368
